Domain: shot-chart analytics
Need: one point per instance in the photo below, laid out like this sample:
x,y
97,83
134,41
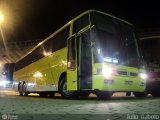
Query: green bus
x,y
93,53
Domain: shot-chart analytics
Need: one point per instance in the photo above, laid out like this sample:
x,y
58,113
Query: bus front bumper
x,y
118,84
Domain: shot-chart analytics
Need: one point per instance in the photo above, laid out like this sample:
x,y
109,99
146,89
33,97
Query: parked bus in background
x,y
93,53
7,75
150,50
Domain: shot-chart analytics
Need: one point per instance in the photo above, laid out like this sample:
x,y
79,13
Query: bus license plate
x,y
108,81
127,82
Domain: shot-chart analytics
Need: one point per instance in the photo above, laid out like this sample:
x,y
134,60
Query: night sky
x,y
34,19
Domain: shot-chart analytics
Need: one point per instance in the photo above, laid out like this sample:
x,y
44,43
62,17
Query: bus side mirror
x,y
92,43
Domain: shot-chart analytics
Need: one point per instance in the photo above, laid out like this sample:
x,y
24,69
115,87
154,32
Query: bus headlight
x,y
143,75
107,71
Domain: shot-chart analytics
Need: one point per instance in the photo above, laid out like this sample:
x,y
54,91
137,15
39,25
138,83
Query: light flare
x,y
38,75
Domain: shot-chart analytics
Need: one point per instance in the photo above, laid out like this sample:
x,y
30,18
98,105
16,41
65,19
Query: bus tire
x,y
20,88
128,93
140,94
51,94
43,94
84,93
24,90
103,95
63,90
155,89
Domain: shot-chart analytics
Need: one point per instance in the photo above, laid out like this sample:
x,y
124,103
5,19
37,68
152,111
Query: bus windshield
x,y
115,41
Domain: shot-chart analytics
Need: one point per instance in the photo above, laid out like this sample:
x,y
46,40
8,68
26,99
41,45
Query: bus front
x,y
117,66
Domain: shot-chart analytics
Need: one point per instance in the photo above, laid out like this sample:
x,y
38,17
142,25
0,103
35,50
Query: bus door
x,y
84,60
72,78
79,66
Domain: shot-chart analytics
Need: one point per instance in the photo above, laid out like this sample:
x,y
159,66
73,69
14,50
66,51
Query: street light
x,y
1,18
1,21
1,33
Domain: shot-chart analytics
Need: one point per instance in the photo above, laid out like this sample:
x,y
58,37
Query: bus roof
x,y
67,24
150,37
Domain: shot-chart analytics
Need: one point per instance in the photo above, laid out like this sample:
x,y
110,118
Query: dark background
x,y
34,19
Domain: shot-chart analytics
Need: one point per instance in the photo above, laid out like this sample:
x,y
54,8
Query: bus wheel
x,y
140,94
84,93
64,92
51,94
24,90
104,95
128,93
20,88
43,94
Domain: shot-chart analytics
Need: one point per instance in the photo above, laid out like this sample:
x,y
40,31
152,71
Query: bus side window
x,y
34,56
80,23
46,48
60,40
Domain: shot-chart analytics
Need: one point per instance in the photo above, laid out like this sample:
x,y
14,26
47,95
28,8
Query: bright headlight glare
x,y
107,71
143,75
4,83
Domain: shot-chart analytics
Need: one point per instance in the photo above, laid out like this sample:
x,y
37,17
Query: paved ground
x,y
34,107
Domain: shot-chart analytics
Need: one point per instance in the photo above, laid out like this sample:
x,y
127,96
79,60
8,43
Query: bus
x,y
8,71
93,53
6,79
150,51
